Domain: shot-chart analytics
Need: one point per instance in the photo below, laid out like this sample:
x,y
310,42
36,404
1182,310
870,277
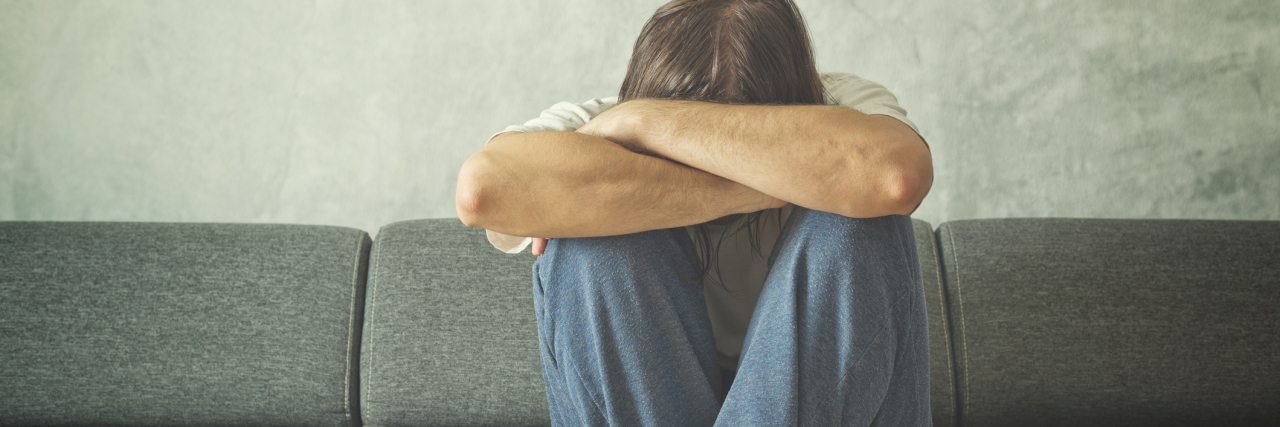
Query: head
x,y
725,51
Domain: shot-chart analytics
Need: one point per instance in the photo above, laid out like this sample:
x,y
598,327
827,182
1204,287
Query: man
x,y
725,249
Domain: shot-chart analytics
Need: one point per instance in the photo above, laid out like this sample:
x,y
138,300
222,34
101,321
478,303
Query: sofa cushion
x,y
179,324
451,337
1070,322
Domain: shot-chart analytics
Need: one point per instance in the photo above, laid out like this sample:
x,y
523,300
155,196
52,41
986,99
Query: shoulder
x,y
864,95
565,116
845,88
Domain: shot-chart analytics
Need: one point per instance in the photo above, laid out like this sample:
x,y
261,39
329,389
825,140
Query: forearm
x,y
569,184
828,158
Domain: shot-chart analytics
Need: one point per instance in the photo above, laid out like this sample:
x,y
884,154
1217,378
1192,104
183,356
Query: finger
x,y
539,245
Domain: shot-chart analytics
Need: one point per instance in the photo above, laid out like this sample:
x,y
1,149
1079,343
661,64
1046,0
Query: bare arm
x,y
827,158
572,184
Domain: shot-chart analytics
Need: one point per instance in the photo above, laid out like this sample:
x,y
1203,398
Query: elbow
x,y
470,198
902,194
896,193
904,189
469,206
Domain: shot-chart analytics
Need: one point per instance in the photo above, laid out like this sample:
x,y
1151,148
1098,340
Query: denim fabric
x,y
838,336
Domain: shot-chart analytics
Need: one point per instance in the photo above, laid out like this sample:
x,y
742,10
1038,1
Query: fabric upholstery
x,y
1070,322
451,337
179,324
941,377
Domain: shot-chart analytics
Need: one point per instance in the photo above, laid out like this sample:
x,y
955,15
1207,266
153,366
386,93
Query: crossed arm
x,y
708,160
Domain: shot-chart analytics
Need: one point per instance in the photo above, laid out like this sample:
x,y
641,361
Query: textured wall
x,y
360,113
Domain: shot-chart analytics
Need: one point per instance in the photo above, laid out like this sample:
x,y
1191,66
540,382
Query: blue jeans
x,y
838,336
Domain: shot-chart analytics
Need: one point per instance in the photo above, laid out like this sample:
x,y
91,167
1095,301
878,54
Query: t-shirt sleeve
x,y
564,116
863,95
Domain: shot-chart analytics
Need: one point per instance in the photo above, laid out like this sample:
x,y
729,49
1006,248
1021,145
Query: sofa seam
x,y
964,335
942,305
372,296
355,278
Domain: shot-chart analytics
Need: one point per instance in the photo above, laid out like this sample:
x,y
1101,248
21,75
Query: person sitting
x,y
729,238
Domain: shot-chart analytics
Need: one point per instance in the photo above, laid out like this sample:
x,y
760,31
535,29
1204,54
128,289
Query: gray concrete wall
x,y
359,113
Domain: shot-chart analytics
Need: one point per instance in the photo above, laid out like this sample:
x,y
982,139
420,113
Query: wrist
x,y
644,125
624,125
743,199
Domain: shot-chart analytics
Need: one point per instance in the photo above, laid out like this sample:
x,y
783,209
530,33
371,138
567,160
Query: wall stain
x,y
1223,182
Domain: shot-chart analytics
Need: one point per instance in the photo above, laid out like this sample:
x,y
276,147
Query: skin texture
x,y
700,161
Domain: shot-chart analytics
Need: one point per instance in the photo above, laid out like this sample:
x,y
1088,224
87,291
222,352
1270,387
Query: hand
x,y
619,125
539,245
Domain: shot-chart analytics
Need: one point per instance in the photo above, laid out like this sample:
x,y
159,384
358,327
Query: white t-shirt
x,y
744,272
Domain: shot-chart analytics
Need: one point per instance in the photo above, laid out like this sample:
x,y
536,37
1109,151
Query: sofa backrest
x,y
179,324
1072,322
1031,322
451,337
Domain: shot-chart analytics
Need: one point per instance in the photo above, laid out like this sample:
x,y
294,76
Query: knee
x,y
618,256
829,228
877,250
635,246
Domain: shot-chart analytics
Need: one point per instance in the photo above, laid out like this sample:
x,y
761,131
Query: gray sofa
x,y
1033,322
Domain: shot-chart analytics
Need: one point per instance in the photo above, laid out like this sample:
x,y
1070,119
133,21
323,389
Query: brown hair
x,y
724,51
